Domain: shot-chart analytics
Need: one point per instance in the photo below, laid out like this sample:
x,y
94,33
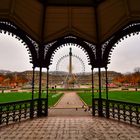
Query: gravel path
x,y
70,100
70,105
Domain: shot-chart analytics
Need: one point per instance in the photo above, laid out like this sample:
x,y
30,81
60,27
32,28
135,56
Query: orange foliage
x,y
1,78
131,78
11,79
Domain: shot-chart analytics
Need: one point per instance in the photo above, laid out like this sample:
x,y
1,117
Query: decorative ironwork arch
x,y
108,46
31,46
89,49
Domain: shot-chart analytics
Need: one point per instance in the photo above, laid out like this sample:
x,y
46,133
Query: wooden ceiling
x,y
70,17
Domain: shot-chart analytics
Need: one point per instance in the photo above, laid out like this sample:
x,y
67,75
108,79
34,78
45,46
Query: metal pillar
x,y
32,102
41,54
70,62
100,107
33,80
99,54
107,104
39,113
47,91
93,103
106,83
40,82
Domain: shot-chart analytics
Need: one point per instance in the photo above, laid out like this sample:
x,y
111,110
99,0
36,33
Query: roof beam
x,y
72,2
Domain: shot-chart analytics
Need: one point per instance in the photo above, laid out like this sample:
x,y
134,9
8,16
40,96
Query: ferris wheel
x,y
78,65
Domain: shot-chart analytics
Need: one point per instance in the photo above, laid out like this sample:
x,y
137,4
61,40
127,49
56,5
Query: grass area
x,y
73,89
17,96
126,96
70,89
61,89
53,98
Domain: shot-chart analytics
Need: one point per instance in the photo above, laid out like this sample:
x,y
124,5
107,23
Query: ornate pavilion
x,y
95,25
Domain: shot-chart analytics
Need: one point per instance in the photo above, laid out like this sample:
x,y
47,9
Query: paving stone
x,y
70,128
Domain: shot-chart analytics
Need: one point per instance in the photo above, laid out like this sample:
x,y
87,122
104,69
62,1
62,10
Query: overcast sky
x,y
126,55
14,56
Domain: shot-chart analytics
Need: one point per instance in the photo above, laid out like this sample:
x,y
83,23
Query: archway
x,y
31,47
108,47
107,50
50,48
89,49
15,32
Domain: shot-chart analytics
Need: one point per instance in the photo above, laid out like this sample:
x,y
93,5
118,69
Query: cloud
x,y
126,55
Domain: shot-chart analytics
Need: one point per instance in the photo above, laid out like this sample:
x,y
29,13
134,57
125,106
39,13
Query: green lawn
x,y
126,96
12,97
69,89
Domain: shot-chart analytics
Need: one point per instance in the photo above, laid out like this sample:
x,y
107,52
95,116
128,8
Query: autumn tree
x,y
137,75
119,79
129,78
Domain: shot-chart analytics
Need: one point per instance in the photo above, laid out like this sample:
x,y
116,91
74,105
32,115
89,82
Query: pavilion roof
x,y
70,17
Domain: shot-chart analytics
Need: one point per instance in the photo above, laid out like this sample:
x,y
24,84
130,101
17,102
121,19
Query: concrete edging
x,y
82,100
58,101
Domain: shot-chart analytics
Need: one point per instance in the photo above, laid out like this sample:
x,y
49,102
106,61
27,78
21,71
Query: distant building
x,y
58,78
55,78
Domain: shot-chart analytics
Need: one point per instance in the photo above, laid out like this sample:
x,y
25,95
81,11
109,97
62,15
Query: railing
x,y
122,111
21,110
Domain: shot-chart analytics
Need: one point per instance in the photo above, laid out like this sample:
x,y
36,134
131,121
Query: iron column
x,y
32,102
93,103
70,61
107,103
